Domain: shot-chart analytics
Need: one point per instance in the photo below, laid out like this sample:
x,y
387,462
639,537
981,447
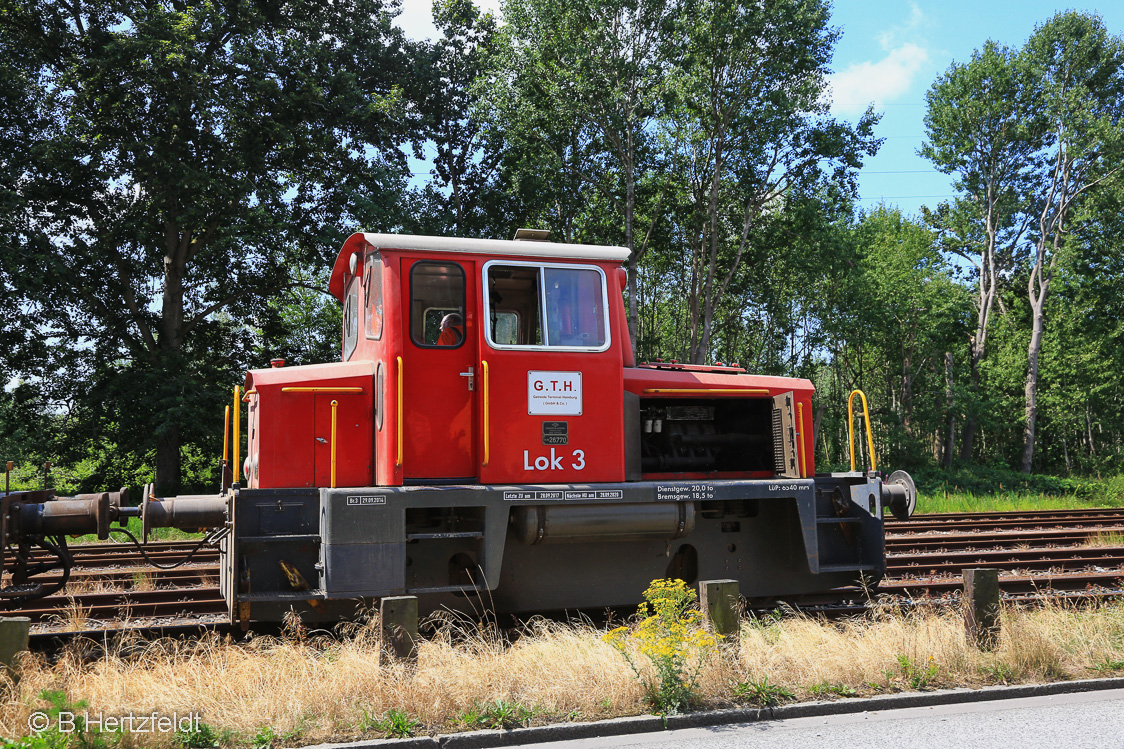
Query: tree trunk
x,y
1031,389
1089,432
907,393
968,436
950,444
177,252
168,464
816,423
708,300
987,292
1065,453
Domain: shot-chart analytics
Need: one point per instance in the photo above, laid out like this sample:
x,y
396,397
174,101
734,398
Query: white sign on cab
x,y
554,393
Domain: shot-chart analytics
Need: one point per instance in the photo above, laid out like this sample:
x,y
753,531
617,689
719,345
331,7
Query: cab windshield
x,y
546,306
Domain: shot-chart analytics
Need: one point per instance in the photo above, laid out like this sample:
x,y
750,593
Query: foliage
x,y
1031,136
395,724
454,72
269,738
190,156
918,676
740,154
199,736
762,693
1000,672
838,690
498,714
177,179
671,637
81,737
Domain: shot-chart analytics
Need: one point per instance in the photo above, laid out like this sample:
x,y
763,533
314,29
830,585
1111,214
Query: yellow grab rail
x,y
335,405
743,391
800,434
487,424
322,390
851,428
226,438
398,414
237,430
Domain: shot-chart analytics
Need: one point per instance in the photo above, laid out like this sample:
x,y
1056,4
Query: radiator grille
x,y
778,443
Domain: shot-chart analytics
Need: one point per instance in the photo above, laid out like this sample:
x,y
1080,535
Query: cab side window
x,y
351,318
372,296
437,302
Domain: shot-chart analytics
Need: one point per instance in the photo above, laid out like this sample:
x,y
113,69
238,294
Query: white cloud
x,y
416,18
889,39
878,82
864,83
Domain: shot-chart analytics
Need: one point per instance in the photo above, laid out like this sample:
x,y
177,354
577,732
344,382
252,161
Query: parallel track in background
x,y
1048,554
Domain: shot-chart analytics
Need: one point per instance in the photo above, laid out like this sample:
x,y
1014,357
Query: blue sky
x,y
889,54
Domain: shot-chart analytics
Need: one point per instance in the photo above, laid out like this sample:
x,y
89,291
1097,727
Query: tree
x,y
912,308
1027,133
749,129
597,66
457,71
1079,71
979,127
191,153
21,87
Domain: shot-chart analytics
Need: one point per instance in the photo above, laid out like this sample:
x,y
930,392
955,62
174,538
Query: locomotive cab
x,y
486,362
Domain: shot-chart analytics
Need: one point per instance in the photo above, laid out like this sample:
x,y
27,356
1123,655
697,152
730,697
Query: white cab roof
x,y
496,247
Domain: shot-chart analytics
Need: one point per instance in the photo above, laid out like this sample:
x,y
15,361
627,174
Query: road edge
x,y
651,723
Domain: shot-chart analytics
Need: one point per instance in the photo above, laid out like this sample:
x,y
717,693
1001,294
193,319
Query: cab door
x,y
439,370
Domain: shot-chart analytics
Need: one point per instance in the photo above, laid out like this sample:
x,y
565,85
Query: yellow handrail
x,y
226,438
237,430
487,424
335,405
322,390
851,428
800,434
743,391
398,414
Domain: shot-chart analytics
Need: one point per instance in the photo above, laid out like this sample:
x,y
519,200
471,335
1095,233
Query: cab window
x,y
437,304
546,306
372,296
351,318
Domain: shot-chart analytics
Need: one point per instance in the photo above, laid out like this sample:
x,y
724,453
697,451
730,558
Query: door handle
x,y
471,375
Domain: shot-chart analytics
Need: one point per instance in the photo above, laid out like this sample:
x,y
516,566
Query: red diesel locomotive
x,y
488,440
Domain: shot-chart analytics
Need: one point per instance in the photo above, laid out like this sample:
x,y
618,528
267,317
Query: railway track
x,y
1038,554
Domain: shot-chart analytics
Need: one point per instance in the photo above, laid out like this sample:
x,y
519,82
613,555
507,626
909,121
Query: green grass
x,y
990,490
134,527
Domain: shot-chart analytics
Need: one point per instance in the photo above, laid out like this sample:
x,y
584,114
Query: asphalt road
x,y
1087,720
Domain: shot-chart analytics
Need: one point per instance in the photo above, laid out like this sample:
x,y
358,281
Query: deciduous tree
x,y
981,126
191,152
1078,69
749,127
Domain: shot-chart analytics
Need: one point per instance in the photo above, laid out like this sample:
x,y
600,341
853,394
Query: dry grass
x,y
319,689
1106,538
74,617
83,585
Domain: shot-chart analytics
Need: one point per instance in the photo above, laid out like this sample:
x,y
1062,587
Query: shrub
x,y
671,637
